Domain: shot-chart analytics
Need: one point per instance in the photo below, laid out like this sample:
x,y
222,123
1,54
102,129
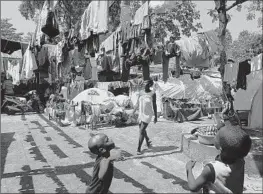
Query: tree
x,y
68,12
8,31
172,16
220,14
246,46
229,39
255,7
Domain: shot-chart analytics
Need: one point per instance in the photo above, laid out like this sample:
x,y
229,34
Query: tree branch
x,y
235,4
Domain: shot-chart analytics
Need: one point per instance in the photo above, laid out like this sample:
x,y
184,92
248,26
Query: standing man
x,y
147,109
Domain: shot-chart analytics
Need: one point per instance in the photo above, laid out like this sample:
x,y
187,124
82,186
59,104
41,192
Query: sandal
x,y
139,153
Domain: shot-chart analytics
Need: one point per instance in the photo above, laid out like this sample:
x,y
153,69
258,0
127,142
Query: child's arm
x,y
136,105
104,165
205,177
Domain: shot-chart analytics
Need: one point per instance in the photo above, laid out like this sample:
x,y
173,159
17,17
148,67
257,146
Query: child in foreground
x,y
101,145
226,173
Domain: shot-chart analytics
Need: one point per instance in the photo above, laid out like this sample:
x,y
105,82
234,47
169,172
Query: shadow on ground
x,y
6,140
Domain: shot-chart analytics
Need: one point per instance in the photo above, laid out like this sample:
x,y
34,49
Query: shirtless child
x,y
101,145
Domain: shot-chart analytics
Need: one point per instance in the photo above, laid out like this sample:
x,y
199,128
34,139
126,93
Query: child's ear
x,y
102,150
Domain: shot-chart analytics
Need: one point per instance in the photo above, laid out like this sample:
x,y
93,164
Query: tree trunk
x,y
221,9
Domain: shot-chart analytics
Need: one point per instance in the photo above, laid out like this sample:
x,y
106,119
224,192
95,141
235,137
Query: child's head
x,y
233,142
100,144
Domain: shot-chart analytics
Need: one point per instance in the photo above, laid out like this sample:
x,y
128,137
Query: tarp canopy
x,y
94,95
204,88
9,46
15,55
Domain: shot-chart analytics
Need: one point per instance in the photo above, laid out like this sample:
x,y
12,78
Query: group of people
x,y
223,175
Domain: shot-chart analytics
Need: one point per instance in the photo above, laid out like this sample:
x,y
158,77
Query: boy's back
x,y
228,178
97,185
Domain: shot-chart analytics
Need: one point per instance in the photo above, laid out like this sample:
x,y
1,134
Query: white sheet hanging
x,y
29,65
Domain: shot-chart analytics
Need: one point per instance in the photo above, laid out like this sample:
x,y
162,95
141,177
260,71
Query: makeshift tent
x,y
251,98
184,88
94,95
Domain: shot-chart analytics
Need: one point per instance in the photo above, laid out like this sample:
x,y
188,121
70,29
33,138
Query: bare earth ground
x,y
37,156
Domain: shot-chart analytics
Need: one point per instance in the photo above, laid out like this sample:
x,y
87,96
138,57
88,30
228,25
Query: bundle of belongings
x,y
56,109
29,103
96,106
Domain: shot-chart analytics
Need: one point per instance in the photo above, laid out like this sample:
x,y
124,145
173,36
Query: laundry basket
x,y
206,139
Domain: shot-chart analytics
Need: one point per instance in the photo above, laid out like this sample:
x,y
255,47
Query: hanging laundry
x,y
106,63
243,71
103,85
213,41
13,70
165,64
116,63
59,52
41,22
256,63
87,71
51,26
53,69
125,71
141,13
108,43
77,58
95,19
231,71
29,65
94,70
42,56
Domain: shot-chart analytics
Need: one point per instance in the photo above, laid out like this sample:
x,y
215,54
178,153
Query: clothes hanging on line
x,y
94,69
231,72
95,19
165,64
78,58
108,43
256,63
243,71
13,70
141,13
41,21
42,56
103,85
29,65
